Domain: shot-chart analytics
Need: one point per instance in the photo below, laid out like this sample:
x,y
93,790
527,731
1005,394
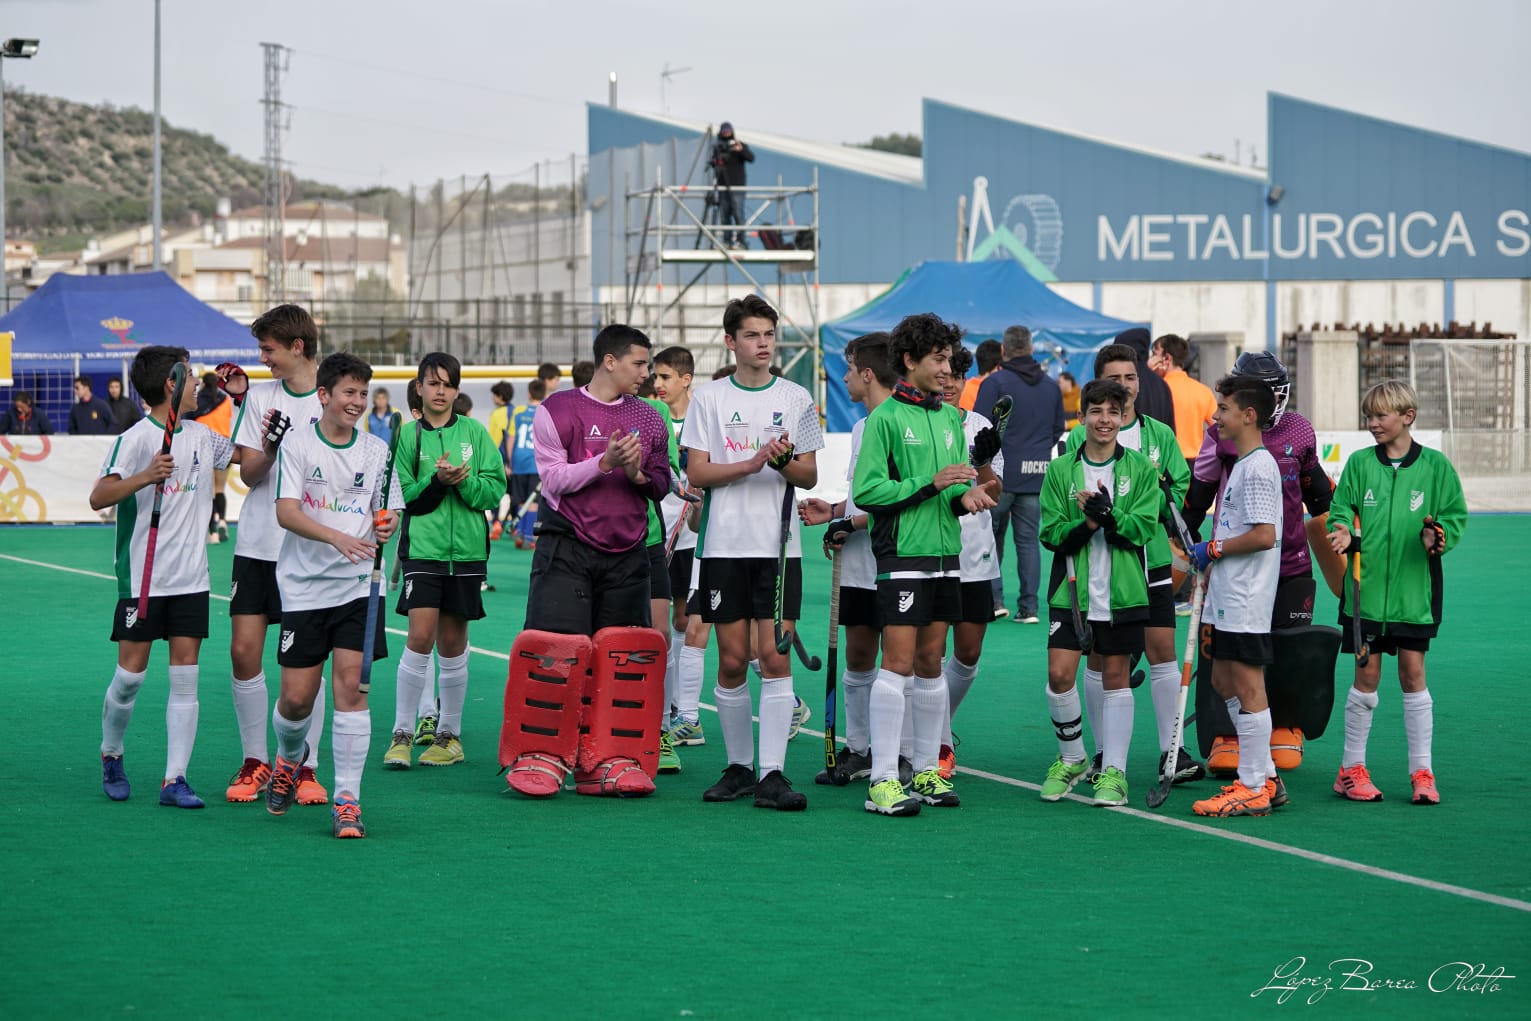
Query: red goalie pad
x,y
542,696
624,700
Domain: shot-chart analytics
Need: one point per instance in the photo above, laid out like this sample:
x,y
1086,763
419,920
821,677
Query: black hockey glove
x,y
277,425
985,446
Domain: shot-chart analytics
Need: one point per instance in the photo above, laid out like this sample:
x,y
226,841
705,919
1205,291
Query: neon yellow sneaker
x,y
1061,778
887,797
669,762
398,754
446,750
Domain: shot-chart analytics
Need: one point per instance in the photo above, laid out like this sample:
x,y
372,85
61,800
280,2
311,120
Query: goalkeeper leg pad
x,y
539,735
1300,683
623,714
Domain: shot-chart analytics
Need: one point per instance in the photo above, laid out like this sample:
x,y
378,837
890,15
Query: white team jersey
x,y
730,422
180,552
979,560
1100,553
672,506
259,536
340,487
1241,590
1131,436
858,567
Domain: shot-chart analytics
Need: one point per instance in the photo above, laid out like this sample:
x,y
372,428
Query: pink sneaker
x,y
1424,787
1355,783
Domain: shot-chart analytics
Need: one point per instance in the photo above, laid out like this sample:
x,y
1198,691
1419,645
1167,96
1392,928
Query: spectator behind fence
x,y
90,416
376,421
124,408
24,417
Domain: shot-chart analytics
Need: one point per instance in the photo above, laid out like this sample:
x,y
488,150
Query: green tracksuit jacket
x,y
1401,585
1160,447
656,521
446,523
914,526
1136,499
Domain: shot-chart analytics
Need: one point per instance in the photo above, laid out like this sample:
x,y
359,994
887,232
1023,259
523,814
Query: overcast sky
x,y
401,91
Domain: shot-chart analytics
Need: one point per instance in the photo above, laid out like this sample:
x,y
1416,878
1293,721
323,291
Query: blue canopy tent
x,y
983,298
93,325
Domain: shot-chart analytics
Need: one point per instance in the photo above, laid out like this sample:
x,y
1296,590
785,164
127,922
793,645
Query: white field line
x,y
1317,857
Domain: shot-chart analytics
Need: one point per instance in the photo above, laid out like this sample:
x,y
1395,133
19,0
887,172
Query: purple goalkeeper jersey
x,y
1292,443
569,434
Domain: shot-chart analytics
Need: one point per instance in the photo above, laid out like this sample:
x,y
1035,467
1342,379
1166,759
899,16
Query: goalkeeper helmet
x,y
1266,367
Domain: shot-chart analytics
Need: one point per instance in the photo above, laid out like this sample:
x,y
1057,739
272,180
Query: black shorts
x,y
1240,647
254,590
1293,606
1381,645
1161,598
744,588
977,602
915,602
659,573
309,636
577,590
858,608
183,616
1110,639
429,586
521,489
680,573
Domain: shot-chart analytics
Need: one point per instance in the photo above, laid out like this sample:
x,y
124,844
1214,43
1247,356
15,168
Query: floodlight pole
x,y
158,211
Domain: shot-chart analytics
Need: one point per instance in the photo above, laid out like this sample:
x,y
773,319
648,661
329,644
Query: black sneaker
x,y
775,791
905,771
849,766
1187,769
736,780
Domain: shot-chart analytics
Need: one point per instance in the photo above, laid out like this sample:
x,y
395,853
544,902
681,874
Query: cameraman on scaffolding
x,y
729,155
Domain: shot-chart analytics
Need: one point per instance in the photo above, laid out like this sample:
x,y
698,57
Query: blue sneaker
x,y
113,780
177,793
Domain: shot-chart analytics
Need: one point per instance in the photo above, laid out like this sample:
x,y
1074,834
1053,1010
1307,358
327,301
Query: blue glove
x,y
1204,553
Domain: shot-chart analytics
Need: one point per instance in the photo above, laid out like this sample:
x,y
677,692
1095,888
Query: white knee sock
x,y
1116,717
688,691
290,734
410,681
1419,725
775,720
429,704
251,703
959,681
1094,703
672,673
906,733
1064,710
885,724
180,720
1164,686
858,709
1254,747
734,717
454,692
353,733
930,719
117,709
316,726
1359,706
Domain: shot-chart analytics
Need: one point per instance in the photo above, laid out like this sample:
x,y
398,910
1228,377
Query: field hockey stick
x,y
375,595
1156,795
526,504
1082,631
788,504
172,420
1357,636
831,678
680,520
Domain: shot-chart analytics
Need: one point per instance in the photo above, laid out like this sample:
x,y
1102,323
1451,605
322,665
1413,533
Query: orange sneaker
x,y
250,782
1355,783
495,531
946,765
310,790
1424,788
1224,760
1286,748
1235,799
347,819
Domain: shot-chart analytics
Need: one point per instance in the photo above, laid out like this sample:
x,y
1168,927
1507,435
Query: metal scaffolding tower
x,y
275,225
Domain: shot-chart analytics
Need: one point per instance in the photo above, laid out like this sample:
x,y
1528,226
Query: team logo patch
x,y
287,637
595,430
1052,628
1123,486
409,588
130,618
948,439
1288,450
905,601
360,481
233,590
1153,454
317,474
1416,499
1370,500
467,452
910,439
717,598
776,418
196,461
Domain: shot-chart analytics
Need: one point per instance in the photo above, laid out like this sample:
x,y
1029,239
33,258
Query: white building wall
x,y
1504,303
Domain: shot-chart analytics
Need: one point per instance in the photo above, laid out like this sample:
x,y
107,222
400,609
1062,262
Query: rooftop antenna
x,y
665,74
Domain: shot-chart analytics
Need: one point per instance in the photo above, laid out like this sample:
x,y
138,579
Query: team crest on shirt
x,y
910,439
1153,454
360,481
905,601
196,461
776,418
287,637
467,452
948,439
1416,499
1123,486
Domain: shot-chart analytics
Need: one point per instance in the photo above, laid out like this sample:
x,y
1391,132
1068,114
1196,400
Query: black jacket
x,y
1036,420
1154,398
91,418
35,424
728,165
125,411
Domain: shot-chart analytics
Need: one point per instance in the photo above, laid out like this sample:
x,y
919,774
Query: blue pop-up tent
x,y
984,298
93,325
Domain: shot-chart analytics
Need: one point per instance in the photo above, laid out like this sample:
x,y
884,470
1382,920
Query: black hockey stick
x,y
1156,795
1357,636
1082,632
375,595
831,676
172,421
788,639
